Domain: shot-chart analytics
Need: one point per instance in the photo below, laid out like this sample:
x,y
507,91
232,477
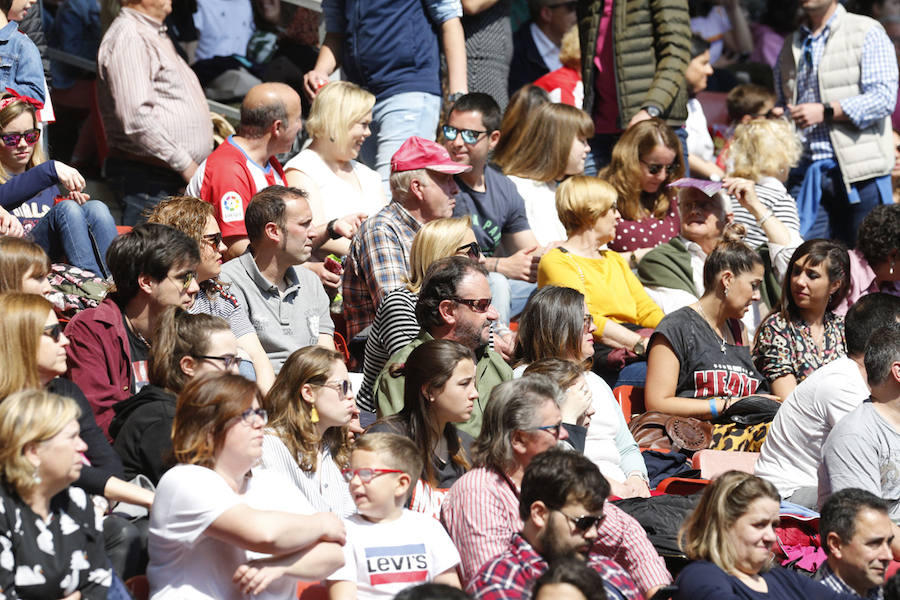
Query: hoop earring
x,y
313,415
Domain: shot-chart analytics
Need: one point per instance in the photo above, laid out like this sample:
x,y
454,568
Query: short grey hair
x,y
512,407
401,181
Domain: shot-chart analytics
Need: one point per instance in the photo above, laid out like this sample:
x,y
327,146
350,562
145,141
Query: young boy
x,y
388,547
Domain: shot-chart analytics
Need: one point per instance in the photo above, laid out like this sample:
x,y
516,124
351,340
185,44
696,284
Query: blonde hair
x,y
764,147
541,152
24,317
437,239
336,108
570,49
705,533
395,451
20,258
625,174
581,200
29,417
9,113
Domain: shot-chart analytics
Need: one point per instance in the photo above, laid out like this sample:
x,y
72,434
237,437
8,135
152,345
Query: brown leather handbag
x,y
661,431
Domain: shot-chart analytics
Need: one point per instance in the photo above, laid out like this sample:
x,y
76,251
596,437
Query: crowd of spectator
x,y
565,250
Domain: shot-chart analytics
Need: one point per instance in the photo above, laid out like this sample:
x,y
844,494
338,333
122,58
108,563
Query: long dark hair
x,y
429,367
837,265
551,325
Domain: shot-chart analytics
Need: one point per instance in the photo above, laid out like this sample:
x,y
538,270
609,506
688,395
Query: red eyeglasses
x,y
11,140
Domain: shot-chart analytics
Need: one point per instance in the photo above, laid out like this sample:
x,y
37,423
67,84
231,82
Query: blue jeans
x,y
66,231
139,187
510,296
394,120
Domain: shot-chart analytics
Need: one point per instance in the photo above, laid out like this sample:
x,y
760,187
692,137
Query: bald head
x,y
266,103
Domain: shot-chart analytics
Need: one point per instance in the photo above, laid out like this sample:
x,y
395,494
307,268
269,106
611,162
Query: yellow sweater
x,y
610,289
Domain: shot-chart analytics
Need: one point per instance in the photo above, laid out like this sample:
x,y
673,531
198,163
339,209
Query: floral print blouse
x,y
787,348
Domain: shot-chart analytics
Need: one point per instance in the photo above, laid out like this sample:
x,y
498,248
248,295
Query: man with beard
x,y
561,505
455,304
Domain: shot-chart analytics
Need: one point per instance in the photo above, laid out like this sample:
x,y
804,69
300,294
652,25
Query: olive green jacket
x,y
651,49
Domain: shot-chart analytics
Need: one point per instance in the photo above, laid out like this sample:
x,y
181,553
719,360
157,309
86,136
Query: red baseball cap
x,y
419,153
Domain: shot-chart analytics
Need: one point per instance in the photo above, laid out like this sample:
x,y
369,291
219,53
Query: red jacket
x,y
100,359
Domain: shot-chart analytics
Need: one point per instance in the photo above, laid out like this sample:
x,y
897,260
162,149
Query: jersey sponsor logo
x,y
232,206
396,564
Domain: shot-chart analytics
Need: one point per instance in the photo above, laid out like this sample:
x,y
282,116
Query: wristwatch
x,y
652,111
329,229
829,112
640,348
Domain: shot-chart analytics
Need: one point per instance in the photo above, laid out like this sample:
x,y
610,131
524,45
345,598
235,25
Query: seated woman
x,y
439,391
196,218
66,230
338,124
875,263
187,346
24,267
552,146
764,151
33,355
699,361
730,536
615,298
803,333
395,322
213,514
644,161
672,273
51,546
569,376
556,324
520,110
310,406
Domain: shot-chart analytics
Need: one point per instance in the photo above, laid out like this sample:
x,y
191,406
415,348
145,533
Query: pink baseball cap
x,y
419,153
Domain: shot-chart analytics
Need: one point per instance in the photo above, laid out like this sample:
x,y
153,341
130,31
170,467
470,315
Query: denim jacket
x,y
20,64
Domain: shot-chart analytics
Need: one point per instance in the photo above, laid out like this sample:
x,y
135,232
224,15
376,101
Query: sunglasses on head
x,y
472,250
11,140
469,136
654,168
54,332
478,305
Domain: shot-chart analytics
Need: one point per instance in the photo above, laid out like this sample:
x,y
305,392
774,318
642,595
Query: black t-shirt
x,y
140,354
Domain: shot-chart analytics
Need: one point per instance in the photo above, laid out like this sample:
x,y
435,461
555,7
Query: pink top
x,y
862,282
648,232
606,104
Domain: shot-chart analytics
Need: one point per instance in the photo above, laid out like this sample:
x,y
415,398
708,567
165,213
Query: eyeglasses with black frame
x,y
553,430
472,250
584,522
655,168
227,359
12,139
343,387
478,305
366,475
248,415
469,136
54,332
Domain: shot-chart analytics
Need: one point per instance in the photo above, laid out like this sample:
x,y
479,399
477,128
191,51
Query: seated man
x,y
561,506
153,266
493,203
856,534
792,451
287,304
863,449
454,304
422,190
481,511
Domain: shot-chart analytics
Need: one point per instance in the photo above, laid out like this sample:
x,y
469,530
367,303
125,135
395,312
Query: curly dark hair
x,y
878,234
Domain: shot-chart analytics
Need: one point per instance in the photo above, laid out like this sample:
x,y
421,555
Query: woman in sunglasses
x,y
33,355
645,160
395,322
338,124
185,346
196,218
310,407
78,230
439,391
215,513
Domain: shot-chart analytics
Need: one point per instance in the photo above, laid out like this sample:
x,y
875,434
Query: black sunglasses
x,y
654,168
54,332
472,250
11,140
478,305
469,136
584,522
